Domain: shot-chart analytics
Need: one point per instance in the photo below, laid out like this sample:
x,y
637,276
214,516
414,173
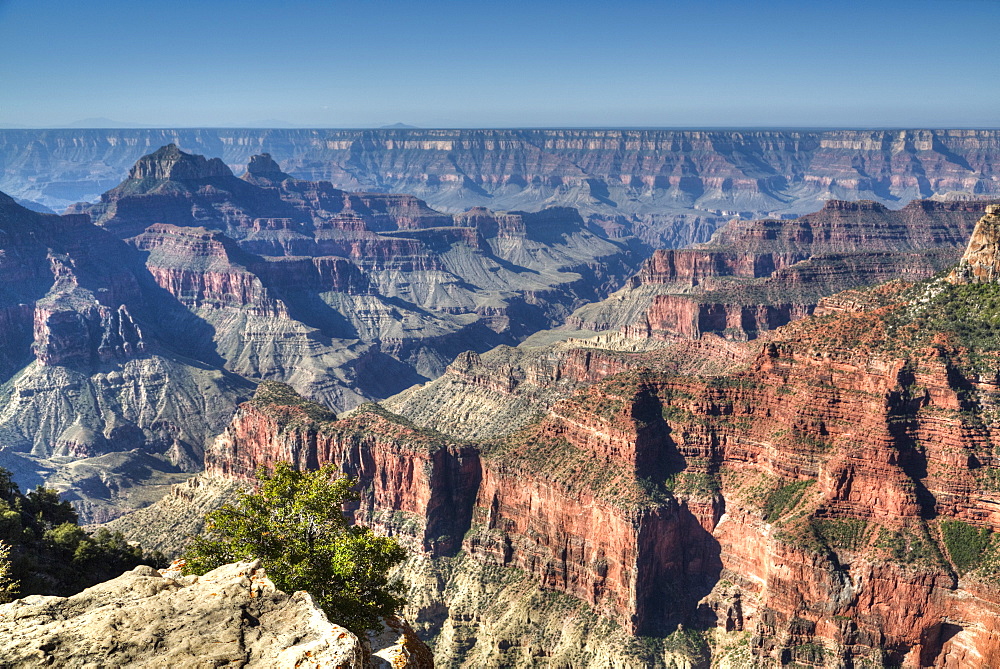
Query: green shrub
x,y
844,533
295,526
49,554
909,545
8,586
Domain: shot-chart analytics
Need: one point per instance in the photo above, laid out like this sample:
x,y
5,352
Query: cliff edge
x,y
231,616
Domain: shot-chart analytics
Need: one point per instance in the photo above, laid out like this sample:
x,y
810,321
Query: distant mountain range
x,y
668,187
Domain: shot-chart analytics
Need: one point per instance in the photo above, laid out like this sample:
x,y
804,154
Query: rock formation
x,y
981,261
755,276
232,616
146,343
669,187
305,283
90,369
501,391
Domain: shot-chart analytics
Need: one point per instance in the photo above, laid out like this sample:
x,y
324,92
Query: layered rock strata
x,y
755,276
89,367
503,390
305,283
145,343
669,187
802,508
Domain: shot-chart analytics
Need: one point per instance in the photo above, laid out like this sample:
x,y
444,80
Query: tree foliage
x,y
49,554
8,586
294,524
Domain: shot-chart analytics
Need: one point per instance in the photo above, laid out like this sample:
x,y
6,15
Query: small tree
x,y
294,524
8,587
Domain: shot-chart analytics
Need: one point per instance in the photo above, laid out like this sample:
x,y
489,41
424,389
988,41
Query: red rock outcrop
x,y
423,476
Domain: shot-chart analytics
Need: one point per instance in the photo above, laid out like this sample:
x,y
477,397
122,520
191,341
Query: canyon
x,y
751,449
824,495
754,276
135,325
668,187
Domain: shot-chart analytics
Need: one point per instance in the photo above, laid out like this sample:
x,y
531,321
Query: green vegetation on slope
x,y
784,499
49,553
8,586
970,313
968,546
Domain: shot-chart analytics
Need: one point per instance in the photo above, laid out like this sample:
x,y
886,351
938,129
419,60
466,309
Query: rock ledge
x,y
233,616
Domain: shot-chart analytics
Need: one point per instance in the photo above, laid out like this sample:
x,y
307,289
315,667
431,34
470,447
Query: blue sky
x,y
443,63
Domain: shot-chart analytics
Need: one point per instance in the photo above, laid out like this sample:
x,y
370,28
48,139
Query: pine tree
x,y
294,524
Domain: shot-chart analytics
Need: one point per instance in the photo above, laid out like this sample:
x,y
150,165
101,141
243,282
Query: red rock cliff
x,y
805,500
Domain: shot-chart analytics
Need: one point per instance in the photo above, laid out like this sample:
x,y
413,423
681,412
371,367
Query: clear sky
x,y
501,63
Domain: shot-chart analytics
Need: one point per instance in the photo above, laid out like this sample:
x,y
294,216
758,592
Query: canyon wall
x,y
91,398
808,507
670,187
137,323
349,296
754,276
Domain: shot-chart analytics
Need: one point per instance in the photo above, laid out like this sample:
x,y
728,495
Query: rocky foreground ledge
x,y
233,616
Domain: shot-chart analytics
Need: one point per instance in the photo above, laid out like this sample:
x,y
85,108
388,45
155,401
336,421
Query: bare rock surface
x,y
755,276
981,260
231,617
395,645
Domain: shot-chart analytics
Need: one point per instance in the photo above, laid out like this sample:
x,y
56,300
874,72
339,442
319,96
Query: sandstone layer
x,y
755,276
981,260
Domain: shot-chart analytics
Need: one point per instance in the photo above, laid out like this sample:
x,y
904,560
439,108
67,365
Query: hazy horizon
x,y
677,128
551,64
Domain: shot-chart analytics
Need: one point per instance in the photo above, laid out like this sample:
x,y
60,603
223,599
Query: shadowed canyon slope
x,y
138,332
89,374
669,187
827,497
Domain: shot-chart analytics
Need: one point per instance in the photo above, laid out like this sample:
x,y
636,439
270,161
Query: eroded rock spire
x,y
981,261
169,162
